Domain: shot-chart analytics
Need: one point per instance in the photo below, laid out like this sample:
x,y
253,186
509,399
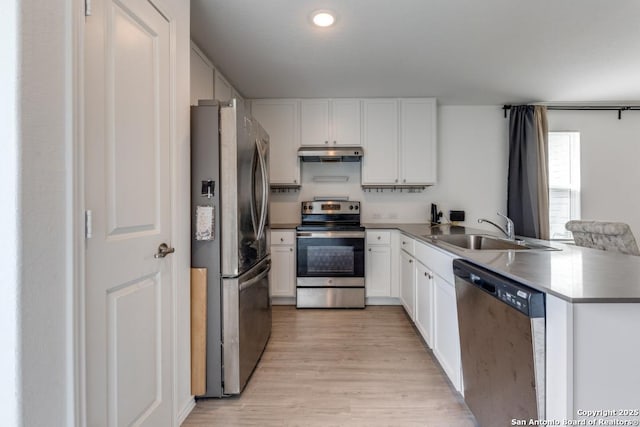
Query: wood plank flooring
x,y
341,368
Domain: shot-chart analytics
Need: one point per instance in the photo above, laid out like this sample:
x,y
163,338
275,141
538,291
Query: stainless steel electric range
x,y
330,255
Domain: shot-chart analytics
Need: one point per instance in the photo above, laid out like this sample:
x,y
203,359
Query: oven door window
x,y
329,257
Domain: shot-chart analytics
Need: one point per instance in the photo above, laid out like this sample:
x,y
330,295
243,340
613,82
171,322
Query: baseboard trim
x,y
186,410
283,300
383,301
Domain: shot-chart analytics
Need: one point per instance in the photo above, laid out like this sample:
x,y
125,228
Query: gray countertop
x,y
574,274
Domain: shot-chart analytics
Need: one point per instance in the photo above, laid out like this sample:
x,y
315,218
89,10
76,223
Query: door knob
x,y
163,251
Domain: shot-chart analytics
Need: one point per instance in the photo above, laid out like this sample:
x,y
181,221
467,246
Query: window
x,y
564,182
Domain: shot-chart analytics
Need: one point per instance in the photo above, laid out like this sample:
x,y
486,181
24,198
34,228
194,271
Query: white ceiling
x,y
460,51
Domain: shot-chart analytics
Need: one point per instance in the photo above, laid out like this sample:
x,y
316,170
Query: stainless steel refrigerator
x,y
230,229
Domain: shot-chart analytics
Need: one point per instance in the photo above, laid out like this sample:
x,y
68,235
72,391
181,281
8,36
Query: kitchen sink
x,y
483,242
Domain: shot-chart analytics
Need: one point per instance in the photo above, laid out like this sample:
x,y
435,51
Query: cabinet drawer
x,y
378,237
407,244
439,262
283,237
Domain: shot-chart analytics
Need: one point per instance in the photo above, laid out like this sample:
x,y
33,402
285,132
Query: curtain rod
x,y
618,108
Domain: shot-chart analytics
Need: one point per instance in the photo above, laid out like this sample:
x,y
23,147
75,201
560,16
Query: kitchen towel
x,y
205,223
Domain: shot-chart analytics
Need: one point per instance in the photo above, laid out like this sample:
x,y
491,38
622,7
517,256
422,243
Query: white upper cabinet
x,y
418,136
380,142
223,89
201,77
399,142
280,118
314,122
207,82
330,122
345,122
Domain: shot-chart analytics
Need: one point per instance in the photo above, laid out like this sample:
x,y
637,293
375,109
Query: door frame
x,y
78,218
77,318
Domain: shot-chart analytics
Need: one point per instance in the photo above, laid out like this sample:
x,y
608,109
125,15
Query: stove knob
x,y
356,207
351,207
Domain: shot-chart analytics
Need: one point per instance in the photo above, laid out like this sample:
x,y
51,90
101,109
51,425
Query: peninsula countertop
x,y
572,273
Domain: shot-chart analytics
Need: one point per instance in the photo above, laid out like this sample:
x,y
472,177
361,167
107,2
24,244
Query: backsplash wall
x,y
376,206
468,137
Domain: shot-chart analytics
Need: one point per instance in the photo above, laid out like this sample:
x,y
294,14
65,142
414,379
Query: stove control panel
x,y
329,207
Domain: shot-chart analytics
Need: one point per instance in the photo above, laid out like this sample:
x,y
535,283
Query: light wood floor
x,y
341,368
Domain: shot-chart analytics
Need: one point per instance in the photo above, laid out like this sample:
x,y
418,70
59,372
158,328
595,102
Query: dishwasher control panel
x,y
526,300
519,300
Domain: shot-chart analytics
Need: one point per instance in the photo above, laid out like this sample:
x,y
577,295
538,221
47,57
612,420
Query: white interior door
x,y
128,72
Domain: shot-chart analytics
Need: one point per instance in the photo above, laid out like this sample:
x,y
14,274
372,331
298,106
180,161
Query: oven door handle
x,y
330,234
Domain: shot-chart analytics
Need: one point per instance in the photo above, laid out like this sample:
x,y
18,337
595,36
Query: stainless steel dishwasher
x,y
502,344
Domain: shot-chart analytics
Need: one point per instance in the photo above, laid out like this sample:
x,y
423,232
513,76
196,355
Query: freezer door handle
x,y
256,279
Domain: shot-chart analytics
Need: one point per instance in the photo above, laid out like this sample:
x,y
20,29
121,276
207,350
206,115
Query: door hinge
x,y
88,224
87,7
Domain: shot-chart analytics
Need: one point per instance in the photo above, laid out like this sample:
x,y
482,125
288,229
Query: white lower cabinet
x,y
424,303
407,283
378,271
446,338
430,301
378,275
283,264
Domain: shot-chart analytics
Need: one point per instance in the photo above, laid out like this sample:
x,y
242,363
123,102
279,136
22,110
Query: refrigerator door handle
x,y
254,209
265,192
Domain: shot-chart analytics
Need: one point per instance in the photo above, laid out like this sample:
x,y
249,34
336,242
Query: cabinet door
x,y
201,78
418,141
446,339
279,117
282,275
424,303
346,122
240,100
314,122
380,142
407,283
223,89
378,271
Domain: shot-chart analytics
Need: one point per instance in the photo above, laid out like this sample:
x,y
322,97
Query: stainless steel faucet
x,y
509,232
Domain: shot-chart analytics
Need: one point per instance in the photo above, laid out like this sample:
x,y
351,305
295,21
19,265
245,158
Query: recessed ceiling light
x,y
323,18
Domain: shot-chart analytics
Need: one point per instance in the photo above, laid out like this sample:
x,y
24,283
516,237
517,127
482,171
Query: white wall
x,y
472,175
610,171
45,283
180,13
9,143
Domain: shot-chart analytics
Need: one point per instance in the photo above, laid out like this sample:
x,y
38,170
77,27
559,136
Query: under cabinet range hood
x,y
330,154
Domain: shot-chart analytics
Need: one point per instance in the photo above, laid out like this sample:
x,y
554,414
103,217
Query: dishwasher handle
x,y
481,283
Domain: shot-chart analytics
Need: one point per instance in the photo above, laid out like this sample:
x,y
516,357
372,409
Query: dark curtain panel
x,y
524,205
